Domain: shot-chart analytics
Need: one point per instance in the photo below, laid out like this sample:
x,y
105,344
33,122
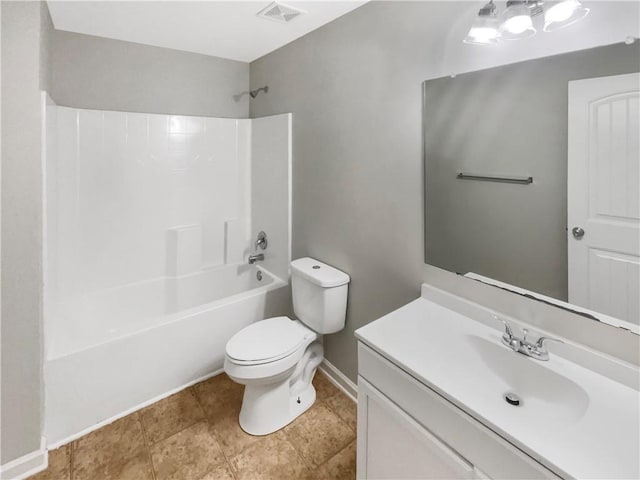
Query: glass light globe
x,y
517,23
484,31
563,14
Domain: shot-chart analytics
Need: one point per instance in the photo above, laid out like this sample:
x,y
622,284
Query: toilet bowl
x,y
276,358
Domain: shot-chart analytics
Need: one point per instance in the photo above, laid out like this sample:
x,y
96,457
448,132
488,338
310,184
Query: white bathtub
x,y
114,351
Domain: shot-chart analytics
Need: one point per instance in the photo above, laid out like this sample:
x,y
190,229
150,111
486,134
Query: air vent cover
x,y
279,12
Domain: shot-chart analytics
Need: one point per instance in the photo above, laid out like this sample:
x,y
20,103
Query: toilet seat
x,y
268,341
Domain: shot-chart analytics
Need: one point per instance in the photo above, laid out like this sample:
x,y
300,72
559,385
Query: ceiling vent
x,y
279,12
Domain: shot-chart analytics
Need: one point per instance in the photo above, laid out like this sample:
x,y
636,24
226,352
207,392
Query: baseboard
x,y
339,379
106,422
334,375
27,465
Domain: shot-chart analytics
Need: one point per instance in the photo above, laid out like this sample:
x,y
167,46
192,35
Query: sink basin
x,y
544,394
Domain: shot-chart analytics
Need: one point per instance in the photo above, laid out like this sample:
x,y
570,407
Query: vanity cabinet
x,y
406,430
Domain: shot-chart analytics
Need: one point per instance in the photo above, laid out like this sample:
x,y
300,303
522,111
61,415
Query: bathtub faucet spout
x,y
255,258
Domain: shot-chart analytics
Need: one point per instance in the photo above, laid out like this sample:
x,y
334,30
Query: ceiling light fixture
x,y
517,20
484,30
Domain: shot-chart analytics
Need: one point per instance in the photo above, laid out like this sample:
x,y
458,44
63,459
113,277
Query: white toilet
x,y
276,358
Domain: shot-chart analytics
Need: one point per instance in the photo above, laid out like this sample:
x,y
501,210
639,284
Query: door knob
x,y
577,232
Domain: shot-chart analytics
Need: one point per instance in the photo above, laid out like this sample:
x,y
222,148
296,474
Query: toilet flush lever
x,y
262,242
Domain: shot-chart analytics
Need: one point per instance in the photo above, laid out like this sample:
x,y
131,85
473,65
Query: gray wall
x,y
355,93
508,120
354,87
106,74
25,30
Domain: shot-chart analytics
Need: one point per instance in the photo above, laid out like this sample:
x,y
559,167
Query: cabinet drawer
x,y
482,447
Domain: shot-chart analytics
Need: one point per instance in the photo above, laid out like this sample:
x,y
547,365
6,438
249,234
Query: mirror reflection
x,y
532,178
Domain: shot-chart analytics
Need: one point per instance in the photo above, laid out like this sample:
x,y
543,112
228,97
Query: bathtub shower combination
x,y
149,222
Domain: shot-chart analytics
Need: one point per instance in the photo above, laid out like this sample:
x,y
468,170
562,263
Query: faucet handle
x,y
540,343
508,338
261,241
508,333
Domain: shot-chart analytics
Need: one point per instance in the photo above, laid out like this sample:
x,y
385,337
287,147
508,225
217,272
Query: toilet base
x,y
268,408
273,401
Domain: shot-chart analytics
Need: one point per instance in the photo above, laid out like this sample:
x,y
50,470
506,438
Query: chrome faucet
x,y
537,350
256,257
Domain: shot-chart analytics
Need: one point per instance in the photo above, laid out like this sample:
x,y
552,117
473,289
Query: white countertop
x,y
596,435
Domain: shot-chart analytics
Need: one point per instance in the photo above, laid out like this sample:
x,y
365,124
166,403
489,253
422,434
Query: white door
x,y
604,195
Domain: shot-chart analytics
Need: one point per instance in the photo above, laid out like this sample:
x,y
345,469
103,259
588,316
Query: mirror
x,y
532,177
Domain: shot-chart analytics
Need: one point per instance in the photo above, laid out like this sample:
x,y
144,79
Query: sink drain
x,y
512,399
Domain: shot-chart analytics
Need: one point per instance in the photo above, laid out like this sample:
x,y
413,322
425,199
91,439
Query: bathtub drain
x,y
259,275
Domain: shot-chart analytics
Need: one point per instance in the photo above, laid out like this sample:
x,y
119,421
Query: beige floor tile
x,y
319,434
324,387
187,455
115,443
59,465
135,468
231,437
219,395
271,458
345,408
340,467
171,415
192,433
221,472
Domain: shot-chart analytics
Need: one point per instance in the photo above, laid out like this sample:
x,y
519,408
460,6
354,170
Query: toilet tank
x,y
319,295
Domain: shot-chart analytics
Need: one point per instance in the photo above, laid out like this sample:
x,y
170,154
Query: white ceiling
x,y
228,29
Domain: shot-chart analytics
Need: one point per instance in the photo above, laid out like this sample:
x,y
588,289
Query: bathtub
x,y
115,351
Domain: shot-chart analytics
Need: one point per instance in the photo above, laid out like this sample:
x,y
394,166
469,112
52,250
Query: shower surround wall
x,y
141,196
149,221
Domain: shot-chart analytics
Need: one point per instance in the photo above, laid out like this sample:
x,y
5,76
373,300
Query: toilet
x,y
276,358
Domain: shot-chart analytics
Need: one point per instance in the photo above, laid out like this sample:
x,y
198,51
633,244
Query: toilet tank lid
x,y
319,273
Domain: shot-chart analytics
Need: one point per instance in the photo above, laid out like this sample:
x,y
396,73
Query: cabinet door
x,y
391,445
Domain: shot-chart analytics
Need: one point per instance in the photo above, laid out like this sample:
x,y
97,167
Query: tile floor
x,y
194,435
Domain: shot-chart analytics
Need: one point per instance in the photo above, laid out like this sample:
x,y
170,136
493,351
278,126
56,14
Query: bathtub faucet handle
x,y
261,242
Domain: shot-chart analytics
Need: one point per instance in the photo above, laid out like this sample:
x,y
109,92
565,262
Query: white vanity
x,y
432,380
